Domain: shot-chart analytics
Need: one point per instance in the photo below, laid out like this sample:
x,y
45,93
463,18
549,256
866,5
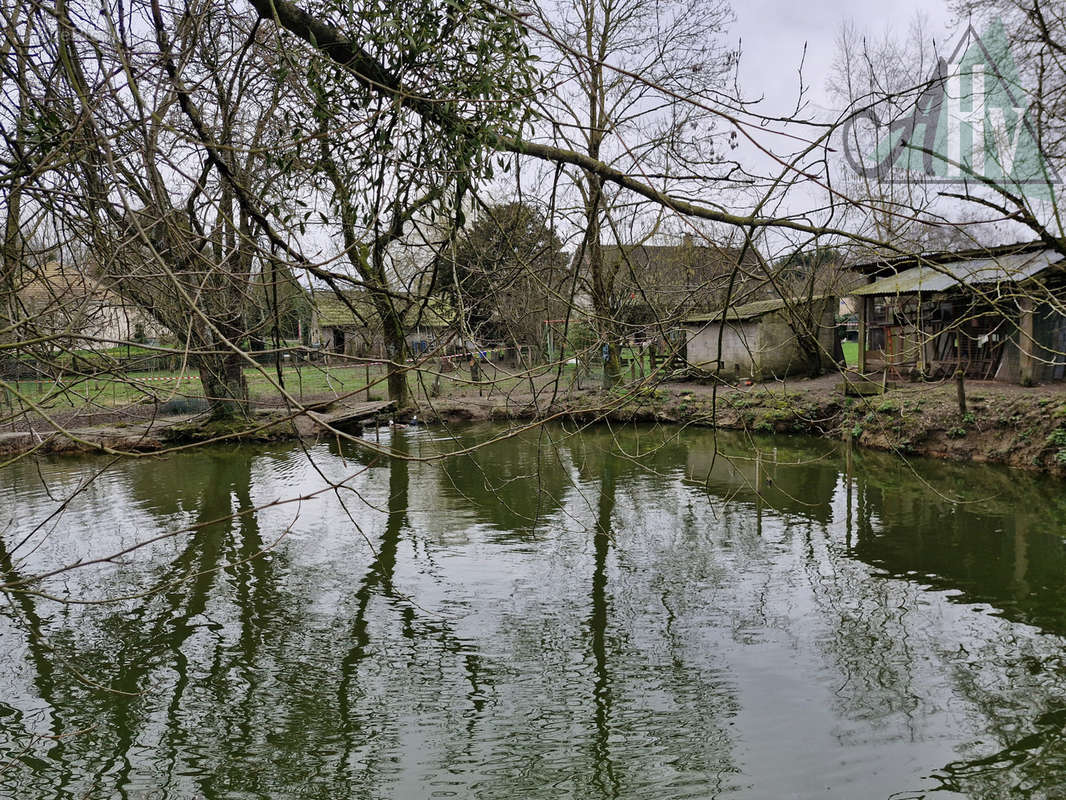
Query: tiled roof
x,y
748,310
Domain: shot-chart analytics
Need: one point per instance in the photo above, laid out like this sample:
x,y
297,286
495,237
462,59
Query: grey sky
x,y
774,33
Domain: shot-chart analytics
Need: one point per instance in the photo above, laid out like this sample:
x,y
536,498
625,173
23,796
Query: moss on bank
x,y
1010,425
244,429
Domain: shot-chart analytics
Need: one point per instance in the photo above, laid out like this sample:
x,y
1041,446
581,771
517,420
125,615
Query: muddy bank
x,y
160,432
1022,427
129,437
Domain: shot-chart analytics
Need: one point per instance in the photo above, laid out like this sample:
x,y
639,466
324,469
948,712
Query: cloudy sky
x,y
774,32
776,37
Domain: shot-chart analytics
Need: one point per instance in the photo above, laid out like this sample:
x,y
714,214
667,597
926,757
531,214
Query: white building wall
x,y
740,342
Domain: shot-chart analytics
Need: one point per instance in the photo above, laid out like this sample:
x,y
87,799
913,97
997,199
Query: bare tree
x,y
635,87
176,117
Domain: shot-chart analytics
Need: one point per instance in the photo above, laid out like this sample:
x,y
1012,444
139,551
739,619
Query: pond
x,y
602,613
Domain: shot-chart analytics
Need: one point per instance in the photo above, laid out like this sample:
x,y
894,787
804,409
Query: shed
x,y
766,339
351,325
991,313
61,301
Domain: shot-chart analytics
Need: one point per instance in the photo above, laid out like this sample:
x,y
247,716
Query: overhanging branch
x,y
372,75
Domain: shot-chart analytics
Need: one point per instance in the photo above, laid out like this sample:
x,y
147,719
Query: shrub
x,y
1057,437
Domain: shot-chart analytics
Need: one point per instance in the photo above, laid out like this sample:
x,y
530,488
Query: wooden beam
x,y
1026,343
863,338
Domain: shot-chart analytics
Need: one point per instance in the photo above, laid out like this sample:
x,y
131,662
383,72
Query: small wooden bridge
x,y
350,418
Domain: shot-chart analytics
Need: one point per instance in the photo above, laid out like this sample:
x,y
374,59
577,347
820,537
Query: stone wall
x,y
740,343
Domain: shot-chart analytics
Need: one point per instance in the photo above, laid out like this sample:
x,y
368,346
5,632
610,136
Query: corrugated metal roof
x,y
895,262
748,310
1009,268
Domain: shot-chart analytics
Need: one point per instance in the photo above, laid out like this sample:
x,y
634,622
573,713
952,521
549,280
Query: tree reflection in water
x,y
610,615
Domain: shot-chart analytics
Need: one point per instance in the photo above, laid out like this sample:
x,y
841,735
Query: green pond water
x,y
610,614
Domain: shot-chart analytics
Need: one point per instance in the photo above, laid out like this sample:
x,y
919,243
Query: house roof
x,y
55,285
748,310
699,259
333,312
1010,267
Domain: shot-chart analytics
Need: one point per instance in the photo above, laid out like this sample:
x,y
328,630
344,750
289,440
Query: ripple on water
x,y
649,637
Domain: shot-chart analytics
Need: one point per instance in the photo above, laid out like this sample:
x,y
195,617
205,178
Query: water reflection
x,y
603,774
997,545
612,614
515,489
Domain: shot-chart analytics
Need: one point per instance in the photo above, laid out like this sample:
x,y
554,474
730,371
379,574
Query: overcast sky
x,y
775,37
773,33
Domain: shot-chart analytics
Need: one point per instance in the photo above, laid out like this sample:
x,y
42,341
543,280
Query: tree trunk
x,y
812,350
225,387
395,352
601,292
612,365
10,266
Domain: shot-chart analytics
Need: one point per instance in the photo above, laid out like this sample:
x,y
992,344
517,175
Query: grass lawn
x,y
305,381
851,352
114,391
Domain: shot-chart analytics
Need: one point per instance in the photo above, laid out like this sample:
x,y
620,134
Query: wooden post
x,y
1026,343
863,338
475,372
959,384
368,381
